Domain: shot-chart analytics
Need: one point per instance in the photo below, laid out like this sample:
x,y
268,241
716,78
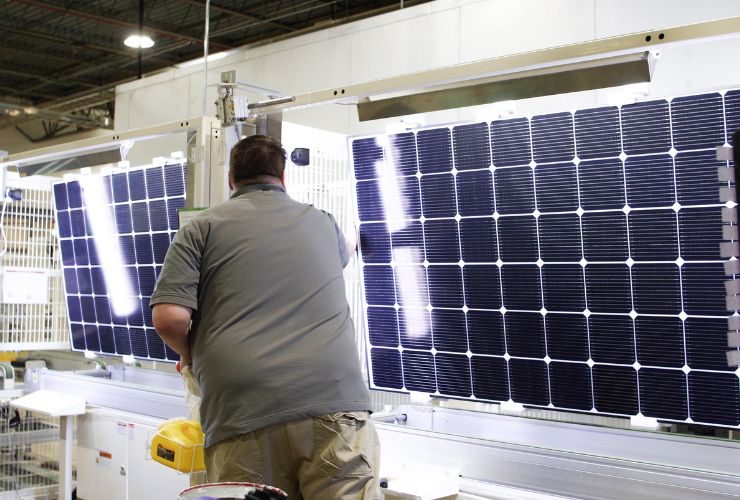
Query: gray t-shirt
x,y
272,339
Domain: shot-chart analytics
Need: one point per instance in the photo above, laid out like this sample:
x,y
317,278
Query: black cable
x,y
140,60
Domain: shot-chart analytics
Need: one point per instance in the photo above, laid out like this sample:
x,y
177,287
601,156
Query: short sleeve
x,y
180,277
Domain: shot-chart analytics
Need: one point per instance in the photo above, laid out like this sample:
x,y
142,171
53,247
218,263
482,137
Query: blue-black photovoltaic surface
x,y
567,260
138,211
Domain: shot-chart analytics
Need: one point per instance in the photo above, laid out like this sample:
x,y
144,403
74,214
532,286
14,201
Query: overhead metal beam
x,y
119,63
242,15
331,21
117,22
204,154
477,72
36,35
293,10
21,74
24,134
64,106
52,130
577,77
25,92
36,112
83,101
47,80
15,50
280,14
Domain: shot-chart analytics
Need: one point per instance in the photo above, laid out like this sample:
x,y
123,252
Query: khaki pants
x,y
330,457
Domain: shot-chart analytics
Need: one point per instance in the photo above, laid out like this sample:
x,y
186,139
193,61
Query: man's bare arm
x,y
172,323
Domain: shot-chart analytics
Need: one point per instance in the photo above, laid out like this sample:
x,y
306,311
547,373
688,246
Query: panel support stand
x,y
66,436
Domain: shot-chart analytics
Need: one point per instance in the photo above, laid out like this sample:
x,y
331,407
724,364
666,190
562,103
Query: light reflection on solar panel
x,y
102,227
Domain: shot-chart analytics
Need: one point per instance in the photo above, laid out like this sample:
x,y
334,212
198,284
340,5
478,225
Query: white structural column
x,y
66,436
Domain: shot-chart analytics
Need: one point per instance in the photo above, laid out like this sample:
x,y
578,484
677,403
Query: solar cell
x,y
570,385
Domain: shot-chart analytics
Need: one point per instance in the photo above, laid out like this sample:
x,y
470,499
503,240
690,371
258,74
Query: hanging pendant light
x,y
139,41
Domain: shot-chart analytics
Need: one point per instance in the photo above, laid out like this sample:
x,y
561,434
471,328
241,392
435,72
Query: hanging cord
x,y
2,226
140,54
205,53
6,199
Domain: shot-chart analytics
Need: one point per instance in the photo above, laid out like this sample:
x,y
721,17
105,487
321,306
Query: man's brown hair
x,y
255,157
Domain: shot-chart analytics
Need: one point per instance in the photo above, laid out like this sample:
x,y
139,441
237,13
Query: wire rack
x,y
326,184
28,455
31,246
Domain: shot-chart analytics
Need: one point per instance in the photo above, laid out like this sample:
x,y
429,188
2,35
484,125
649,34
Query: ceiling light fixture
x,y
136,41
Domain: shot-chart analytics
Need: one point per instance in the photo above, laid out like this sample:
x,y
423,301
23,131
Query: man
x,y
271,341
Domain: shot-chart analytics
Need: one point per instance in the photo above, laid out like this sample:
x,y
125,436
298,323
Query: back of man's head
x,y
257,158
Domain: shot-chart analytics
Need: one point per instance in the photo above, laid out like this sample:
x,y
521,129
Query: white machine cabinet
x,y
113,460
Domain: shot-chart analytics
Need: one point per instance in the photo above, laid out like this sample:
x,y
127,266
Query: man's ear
x,y
282,179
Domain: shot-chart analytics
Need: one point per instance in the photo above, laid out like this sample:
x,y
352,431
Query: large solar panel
x,y
114,232
568,260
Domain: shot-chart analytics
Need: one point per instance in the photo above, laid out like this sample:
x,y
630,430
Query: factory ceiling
x,y
60,60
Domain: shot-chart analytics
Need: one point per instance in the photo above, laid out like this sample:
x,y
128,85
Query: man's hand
x,y
183,362
350,239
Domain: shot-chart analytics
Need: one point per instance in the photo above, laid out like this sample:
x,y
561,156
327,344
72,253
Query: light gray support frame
x,y
577,77
480,72
205,154
565,459
145,392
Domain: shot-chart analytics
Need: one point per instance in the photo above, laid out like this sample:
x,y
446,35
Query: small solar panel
x,y
114,232
568,260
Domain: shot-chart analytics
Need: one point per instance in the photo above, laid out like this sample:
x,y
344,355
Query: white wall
x,y
440,33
